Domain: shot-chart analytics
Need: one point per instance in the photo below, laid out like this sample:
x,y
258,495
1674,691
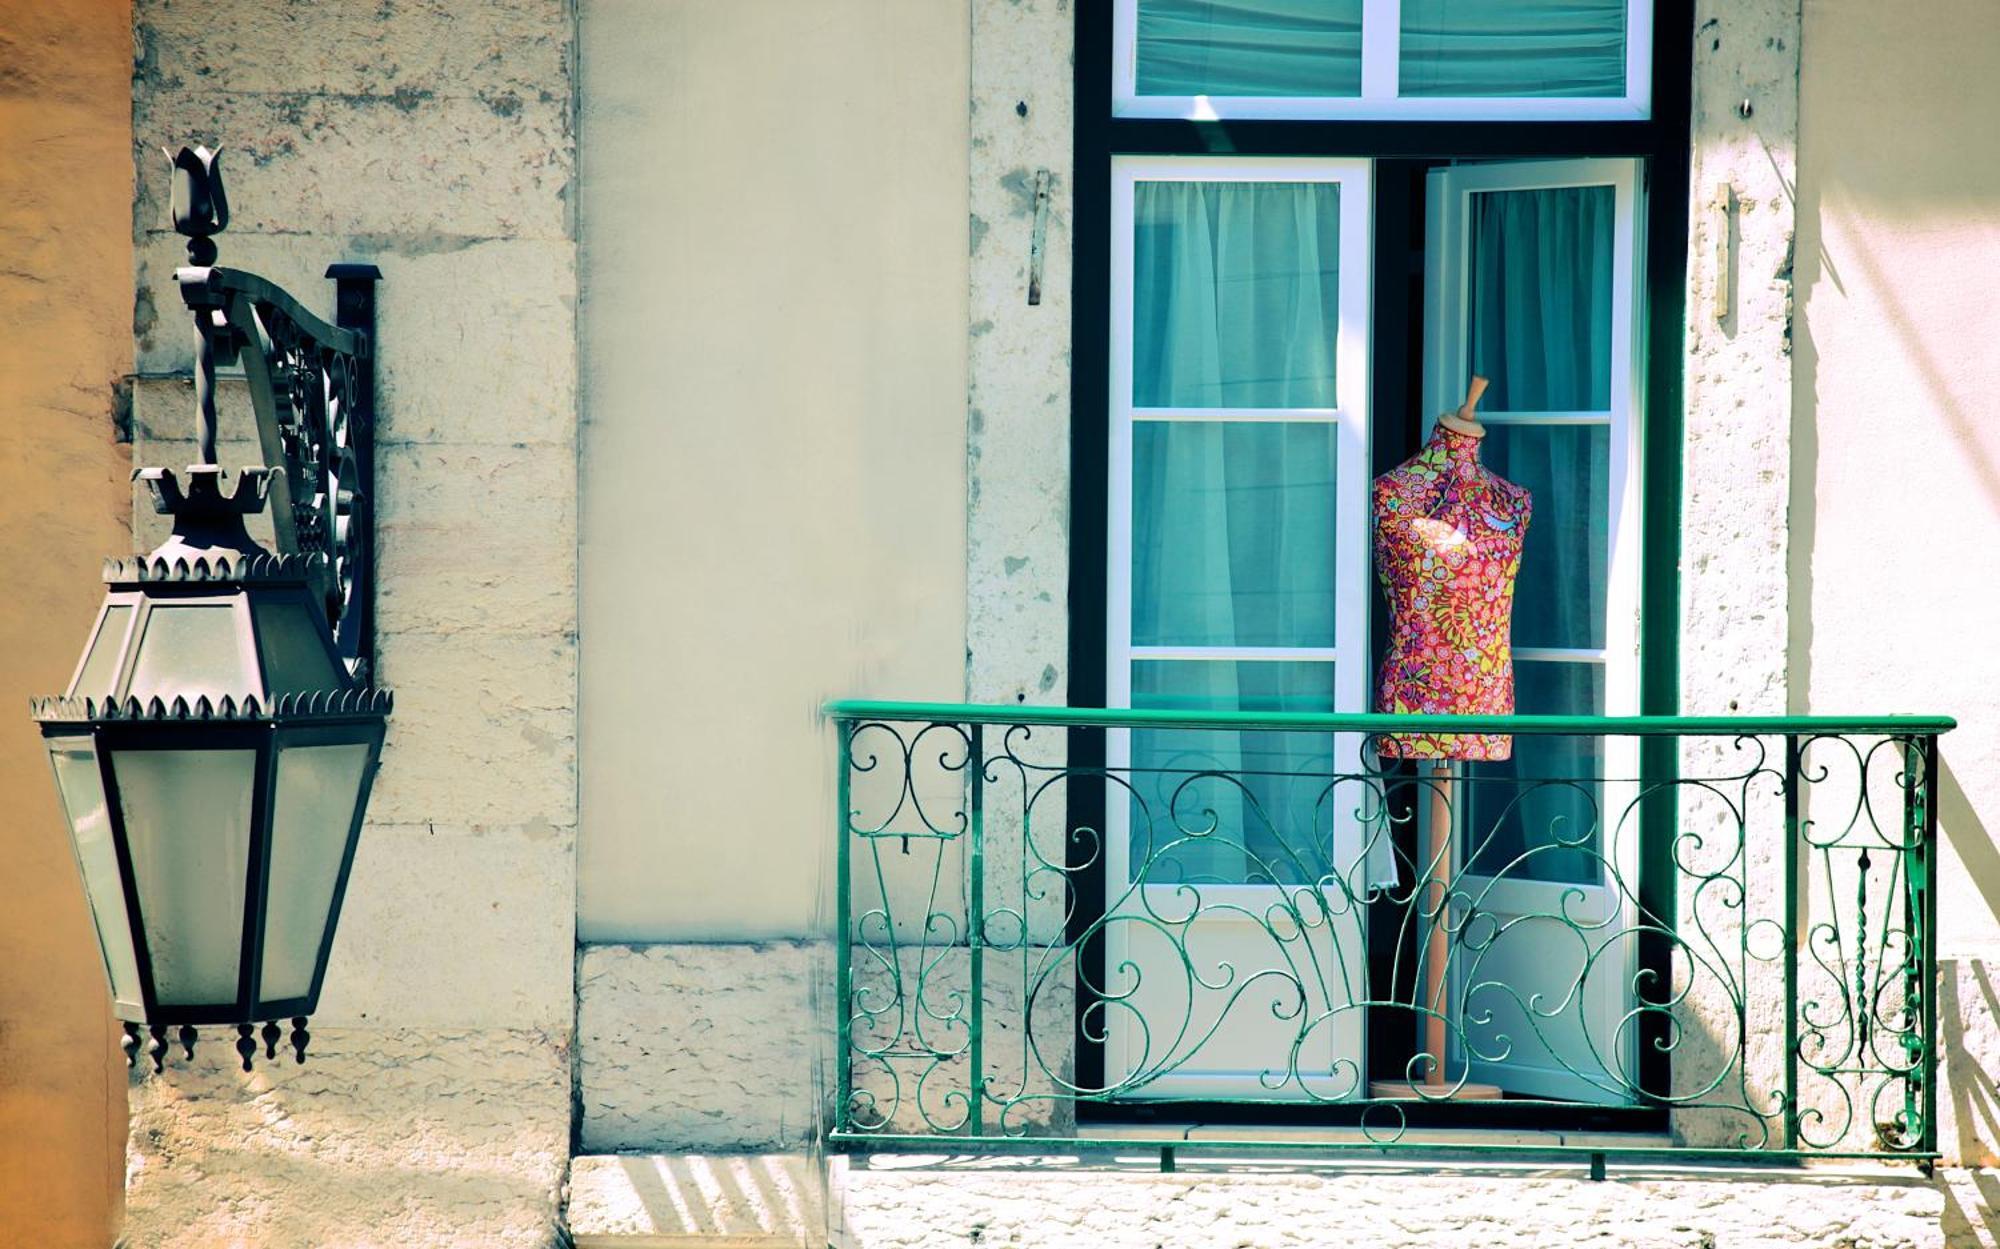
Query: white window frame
x,y
1381,70
1350,652
1447,350
1447,353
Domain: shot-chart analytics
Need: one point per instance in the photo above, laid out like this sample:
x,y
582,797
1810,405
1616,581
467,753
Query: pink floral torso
x,y
1448,538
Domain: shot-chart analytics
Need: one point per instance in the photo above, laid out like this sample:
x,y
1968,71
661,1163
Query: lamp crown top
x,y
200,205
208,524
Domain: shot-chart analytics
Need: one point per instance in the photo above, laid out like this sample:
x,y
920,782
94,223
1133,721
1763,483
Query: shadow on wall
x,y
1969,1005
1968,1016
1968,837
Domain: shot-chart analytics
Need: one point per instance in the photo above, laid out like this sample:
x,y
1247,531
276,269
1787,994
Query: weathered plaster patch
x,y
1017,521
1735,462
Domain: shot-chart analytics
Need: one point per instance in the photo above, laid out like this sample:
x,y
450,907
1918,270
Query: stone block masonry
x,y
1051,1204
438,142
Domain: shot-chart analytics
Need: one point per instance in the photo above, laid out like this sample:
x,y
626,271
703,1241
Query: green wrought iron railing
x,y
1065,928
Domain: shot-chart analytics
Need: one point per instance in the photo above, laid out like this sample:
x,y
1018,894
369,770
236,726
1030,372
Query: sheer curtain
x,y
1292,48
1513,48
1236,296
1540,323
1249,47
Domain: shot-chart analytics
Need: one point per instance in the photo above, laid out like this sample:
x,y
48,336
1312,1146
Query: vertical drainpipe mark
x,y
1039,237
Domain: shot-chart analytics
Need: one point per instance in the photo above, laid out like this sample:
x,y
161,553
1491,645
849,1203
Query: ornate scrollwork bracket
x,y
313,388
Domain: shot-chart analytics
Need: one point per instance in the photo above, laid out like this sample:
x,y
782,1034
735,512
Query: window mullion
x,y
1381,40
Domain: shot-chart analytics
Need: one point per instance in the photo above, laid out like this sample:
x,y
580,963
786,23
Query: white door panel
x,y
1224,975
1544,953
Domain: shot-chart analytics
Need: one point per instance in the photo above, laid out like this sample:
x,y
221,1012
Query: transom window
x,y
1383,59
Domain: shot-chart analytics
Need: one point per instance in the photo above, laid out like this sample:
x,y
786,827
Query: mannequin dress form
x,y
1448,539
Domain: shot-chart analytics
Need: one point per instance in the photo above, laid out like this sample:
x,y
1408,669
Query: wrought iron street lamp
x,y
215,748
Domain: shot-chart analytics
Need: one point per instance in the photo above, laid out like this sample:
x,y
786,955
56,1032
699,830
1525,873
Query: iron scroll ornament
x,y
311,385
977,966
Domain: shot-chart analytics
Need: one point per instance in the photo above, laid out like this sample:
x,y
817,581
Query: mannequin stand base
x,y
1405,1090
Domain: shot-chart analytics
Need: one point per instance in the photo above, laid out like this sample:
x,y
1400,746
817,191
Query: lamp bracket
x,y
312,386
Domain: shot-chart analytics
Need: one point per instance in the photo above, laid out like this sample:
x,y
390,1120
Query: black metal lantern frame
x,y
108,731
216,746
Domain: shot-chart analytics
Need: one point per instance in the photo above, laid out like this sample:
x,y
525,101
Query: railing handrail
x,y
1370,722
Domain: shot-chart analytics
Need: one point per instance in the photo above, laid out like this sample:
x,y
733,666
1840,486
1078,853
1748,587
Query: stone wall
x,y
1018,414
436,141
1735,444
700,1046
895,1204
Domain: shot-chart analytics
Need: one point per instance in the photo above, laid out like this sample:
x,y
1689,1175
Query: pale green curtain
x,y
1236,294
1294,48
1236,304
1513,48
1540,326
1541,298
1249,47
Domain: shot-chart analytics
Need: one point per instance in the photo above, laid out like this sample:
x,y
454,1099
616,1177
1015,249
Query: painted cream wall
x,y
1899,399
1895,515
773,219
66,300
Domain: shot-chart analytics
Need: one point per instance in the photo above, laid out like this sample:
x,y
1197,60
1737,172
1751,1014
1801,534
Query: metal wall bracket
x,y
1038,239
312,386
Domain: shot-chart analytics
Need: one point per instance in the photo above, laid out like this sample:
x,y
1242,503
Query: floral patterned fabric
x,y
1448,537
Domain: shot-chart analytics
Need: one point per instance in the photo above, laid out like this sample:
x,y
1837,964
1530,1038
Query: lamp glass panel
x,y
187,823
192,650
82,789
100,667
317,788
296,658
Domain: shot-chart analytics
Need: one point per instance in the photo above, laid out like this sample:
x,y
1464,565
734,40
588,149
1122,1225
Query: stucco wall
x,y
437,142
1895,508
65,294
774,335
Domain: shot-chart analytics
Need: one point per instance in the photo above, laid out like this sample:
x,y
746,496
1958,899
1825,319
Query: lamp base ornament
x,y
247,1036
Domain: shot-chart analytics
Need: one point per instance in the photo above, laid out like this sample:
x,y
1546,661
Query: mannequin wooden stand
x,y
1437,956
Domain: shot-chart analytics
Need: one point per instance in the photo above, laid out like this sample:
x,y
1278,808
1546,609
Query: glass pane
x,y
295,657
1565,563
1249,47
82,789
192,650
187,822
1232,533
100,671
1541,298
1539,816
1518,48
1235,294
316,789
1264,816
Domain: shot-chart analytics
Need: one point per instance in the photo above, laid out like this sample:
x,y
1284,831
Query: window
x,y
1239,487
1384,59
1276,328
